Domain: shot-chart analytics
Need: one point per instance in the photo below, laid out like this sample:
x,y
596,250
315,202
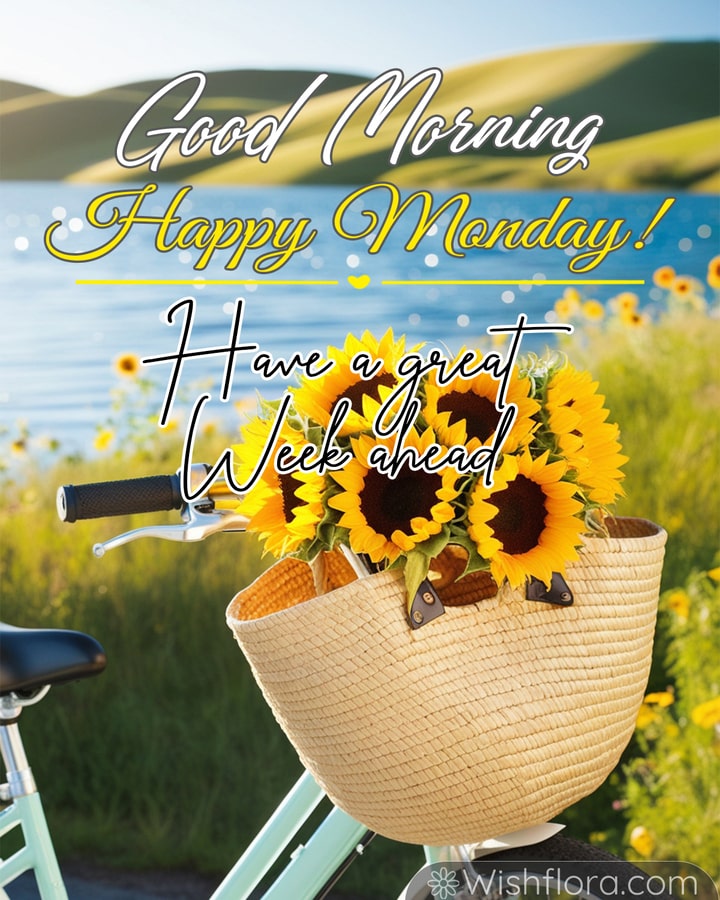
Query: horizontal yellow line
x,y
572,282
191,281
125,282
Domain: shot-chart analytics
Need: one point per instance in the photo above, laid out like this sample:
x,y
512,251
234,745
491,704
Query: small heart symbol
x,y
359,281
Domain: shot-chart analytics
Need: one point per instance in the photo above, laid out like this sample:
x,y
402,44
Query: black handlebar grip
x,y
118,498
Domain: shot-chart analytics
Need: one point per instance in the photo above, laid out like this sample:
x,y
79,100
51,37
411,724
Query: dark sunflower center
x,y
481,417
290,501
521,517
126,364
371,388
389,504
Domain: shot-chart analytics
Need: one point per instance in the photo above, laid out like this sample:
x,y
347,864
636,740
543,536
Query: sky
x,y
77,46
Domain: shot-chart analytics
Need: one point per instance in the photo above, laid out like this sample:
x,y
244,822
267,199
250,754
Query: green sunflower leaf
x,y
433,546
417,565
417,561
475,562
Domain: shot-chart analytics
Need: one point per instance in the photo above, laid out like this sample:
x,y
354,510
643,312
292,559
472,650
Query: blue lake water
x,y
59,338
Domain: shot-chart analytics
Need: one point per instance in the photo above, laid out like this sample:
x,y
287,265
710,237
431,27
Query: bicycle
x,y
34,660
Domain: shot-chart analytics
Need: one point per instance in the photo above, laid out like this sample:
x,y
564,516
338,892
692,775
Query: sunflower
x,y
625,302
385,516
713,274
633,319
564,310
682,285
689,292
527,523
284,509
317,397
588,442
664,276
569,304
593,310
572,295
127,364
625,305
463,412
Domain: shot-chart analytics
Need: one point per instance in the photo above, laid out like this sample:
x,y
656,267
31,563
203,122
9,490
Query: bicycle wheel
x,y
560,868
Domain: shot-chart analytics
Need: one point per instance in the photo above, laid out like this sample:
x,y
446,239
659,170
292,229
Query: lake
x,y
59,338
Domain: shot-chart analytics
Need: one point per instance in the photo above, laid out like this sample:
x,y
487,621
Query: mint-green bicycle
x,y
535,862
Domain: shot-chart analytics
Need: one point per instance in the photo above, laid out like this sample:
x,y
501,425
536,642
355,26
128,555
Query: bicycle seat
x,y
30,658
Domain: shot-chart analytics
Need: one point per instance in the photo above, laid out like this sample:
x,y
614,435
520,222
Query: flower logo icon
x,y
443,884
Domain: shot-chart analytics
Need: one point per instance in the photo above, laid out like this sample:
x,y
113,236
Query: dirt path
x,y
89,882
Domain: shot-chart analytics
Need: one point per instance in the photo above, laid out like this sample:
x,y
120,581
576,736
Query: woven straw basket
x,y
493,717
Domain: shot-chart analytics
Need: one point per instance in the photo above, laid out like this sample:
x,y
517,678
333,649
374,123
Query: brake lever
x,y
199,523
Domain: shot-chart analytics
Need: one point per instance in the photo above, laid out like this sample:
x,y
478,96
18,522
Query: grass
x,y
171,759
662,385
664,389
678,156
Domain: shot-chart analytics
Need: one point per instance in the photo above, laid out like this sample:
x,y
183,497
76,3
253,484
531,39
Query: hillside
x,y
659,102
49,136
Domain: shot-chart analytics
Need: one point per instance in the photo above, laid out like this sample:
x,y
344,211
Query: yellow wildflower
x,y
660,698
103,439
593,310
714,573
647,715
672,730
572,295
642,841
679,602
707,715
564,310
569,304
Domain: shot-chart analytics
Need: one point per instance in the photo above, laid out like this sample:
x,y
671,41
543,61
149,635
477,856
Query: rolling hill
x,y
659,102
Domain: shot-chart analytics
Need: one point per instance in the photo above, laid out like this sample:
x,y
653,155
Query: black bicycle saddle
x,y
33,657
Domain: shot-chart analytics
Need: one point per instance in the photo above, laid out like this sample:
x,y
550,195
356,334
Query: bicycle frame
x,y
312,867
25,810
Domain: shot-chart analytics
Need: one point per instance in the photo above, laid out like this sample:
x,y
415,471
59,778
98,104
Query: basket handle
x,y
427,604
558,593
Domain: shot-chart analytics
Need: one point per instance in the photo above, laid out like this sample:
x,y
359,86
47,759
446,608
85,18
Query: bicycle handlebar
x,y
154,493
